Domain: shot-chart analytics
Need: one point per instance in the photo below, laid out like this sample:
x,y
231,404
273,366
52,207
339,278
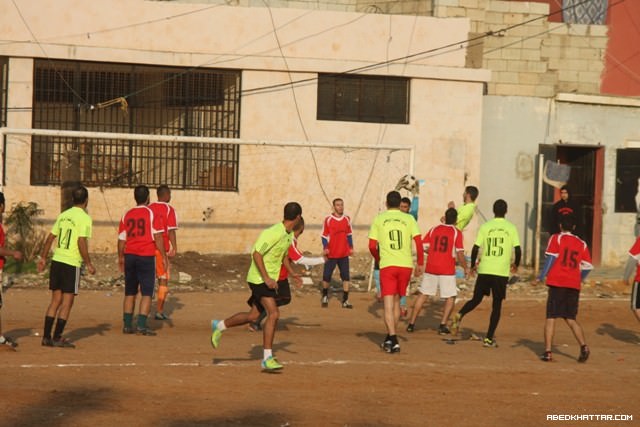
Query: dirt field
x,y
335,373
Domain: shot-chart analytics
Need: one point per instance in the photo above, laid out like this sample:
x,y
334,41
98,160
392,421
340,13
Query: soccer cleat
x,y
254,327
216,334
488,342
47,342
63,343
546,356
271,364
386,346
128,330
443,330
161,316
9,342
325,301
410,327
346,304
455,324
584,354
395,348
146,332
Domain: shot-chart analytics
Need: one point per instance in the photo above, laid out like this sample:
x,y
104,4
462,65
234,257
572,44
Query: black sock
x,y
345,296
388,338
394,339
325,292
60,324
48,325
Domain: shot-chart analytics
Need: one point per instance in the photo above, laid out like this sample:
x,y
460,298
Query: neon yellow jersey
x,y
394,230
273,243
69,226
496,238
465,213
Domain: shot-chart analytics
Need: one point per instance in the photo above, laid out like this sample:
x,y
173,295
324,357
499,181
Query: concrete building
x,y
335,79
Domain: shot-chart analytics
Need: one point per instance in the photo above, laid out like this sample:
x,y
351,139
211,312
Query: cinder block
x,y
469,3
496,64
529,78
566,75
498,6
579,41
505,77
513,18
510,53
599,42
588,76
599,30
530,54
578,29
494,18
545,91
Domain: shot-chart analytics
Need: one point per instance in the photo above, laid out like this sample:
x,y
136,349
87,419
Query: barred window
x,y
627,179
355,98
4,92
159,100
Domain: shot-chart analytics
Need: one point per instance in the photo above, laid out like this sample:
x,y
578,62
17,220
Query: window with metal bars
x,y
4,89
627,179
357,98
160,101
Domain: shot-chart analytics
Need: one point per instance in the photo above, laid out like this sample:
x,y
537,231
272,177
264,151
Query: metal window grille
x,y
4,89
160,100
627,179
373,99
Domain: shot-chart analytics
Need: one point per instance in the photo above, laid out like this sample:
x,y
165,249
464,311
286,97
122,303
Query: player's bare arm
x,y
83,247
259,260
42,262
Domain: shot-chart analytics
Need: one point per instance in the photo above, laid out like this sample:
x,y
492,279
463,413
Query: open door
x,y
585,185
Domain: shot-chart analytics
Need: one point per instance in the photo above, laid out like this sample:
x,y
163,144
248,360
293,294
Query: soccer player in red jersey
x,y
4,252
567,264
164,210
139,236
337,243
634,253
443,244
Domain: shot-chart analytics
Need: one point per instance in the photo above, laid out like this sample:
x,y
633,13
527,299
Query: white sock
x,y
267,354
221,326
2,338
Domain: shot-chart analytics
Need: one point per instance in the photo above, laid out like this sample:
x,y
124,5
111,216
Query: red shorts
x,y
162,271
394,280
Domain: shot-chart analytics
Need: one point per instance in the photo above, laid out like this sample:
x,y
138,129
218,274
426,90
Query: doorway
x,y
585,185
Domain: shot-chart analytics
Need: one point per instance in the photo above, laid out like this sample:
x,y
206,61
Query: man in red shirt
x,y
337,243
634,254
443,244
4,252
139,236
567,264
162,209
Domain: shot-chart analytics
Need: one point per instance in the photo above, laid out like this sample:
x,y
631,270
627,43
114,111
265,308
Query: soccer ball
x,y
409,183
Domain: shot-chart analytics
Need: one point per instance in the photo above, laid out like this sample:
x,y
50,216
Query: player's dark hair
x,y
292,210
472,191
141,194
338,199
406,200
499,208
567,223
566,188
1,198
79,195
393,199
162,190
450,216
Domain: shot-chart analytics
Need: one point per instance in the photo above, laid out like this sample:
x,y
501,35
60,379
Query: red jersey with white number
x,y
634,252
169,218
335,230
572,256
442,242
294,255
2,242
137,228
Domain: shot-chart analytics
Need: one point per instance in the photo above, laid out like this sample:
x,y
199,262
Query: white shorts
x,y
431,283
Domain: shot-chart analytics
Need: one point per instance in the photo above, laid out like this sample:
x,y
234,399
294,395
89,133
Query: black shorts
x,y
64,277
562,303
283,297
490,284
258,291
635,296
330,265
139,274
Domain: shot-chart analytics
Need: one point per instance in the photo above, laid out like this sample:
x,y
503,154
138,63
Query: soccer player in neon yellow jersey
x,y
268,255
390,239
466,211
498,239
